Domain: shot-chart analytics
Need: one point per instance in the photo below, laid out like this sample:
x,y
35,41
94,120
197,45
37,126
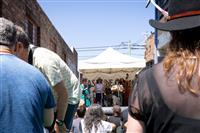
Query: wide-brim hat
x,y
183,14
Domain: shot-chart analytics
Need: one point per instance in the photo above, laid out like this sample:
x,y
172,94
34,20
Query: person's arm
x,y
49,105
62,102
113,126
48,117
134,126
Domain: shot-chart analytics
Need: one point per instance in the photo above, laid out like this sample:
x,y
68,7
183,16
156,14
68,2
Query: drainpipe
x,y
156,39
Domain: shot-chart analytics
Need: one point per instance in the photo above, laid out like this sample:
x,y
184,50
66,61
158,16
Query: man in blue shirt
x,y
64,83
26,100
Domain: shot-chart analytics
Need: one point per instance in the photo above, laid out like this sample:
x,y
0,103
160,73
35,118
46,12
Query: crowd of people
x,y
44,90
93,120
39,93
106,92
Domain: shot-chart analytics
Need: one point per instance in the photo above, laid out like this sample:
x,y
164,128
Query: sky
x,y
90,26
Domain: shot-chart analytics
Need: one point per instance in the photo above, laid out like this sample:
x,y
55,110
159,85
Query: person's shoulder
x,y
46,57
27,67
29,72
142,73
77,119
105,122
32,72
40,52
22,67
41,49
44,51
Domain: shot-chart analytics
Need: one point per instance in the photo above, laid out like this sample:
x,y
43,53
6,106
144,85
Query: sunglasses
x,y
165,13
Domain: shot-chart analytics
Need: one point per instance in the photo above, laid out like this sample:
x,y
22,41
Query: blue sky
x,y
97,23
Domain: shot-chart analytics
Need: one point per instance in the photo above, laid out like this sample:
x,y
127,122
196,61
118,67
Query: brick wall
x,y
29,15
149,48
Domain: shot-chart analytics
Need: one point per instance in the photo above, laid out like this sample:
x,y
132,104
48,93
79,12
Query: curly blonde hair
x,y
184,53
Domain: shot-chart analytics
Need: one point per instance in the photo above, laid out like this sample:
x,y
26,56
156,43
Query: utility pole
x,y
129,47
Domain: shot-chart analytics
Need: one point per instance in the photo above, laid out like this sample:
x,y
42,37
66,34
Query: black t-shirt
x,y
114,119
156,100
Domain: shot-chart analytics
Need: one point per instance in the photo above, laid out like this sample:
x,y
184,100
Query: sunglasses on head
x,y
165,13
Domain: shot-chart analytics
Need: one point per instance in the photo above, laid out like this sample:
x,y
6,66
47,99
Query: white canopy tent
x,y
110,64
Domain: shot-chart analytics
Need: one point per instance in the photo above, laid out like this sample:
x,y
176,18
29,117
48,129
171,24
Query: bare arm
x,y
134,126
62,100
113,126
48,117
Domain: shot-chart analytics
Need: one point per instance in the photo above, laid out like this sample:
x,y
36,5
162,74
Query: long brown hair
x,y
93,117
184,53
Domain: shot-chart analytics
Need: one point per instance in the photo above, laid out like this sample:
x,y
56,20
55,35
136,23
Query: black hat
x,y
183,14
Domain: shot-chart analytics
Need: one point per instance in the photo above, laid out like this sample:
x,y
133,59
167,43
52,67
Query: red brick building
x,y
29,15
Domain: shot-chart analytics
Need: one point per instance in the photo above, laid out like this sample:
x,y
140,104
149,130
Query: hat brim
x,y
177,24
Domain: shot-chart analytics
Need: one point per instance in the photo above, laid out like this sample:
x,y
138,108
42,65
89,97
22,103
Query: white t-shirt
x,y
104,127
56,70
99,88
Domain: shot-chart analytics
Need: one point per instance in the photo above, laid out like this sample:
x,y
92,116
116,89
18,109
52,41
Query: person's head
x,y
116,110
84,81
99,81
81,111
116,81
184,48
22,44
127,76
89,82
93,82
81,103
7,33
93,116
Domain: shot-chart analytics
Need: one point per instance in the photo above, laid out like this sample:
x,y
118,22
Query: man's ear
x,y
19,47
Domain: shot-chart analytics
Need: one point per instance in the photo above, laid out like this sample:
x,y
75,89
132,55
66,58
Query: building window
x,y
33,32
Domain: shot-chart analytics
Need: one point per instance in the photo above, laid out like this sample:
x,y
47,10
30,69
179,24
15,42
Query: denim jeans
x,y
71,110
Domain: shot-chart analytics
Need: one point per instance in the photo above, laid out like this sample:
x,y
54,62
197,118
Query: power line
x,y
120,46
139,45
98,46
89,56
90,1
86,50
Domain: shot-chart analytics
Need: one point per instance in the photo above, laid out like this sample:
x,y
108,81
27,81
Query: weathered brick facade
x,y
149,50
29,15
